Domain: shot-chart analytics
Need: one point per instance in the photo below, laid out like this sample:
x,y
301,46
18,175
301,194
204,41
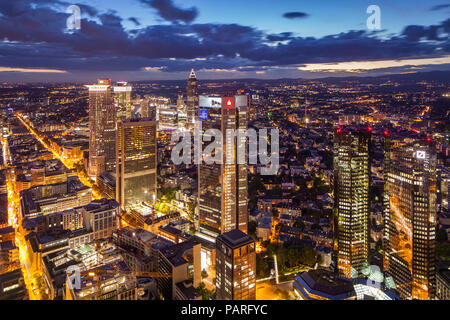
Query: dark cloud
x,y
417,33
85,9
168,11
135,21
280,36
295,15
440,7
37,39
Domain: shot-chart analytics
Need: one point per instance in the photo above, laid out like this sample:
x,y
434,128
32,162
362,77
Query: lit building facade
x,y
235,266
182,112
136,162
102,126
352,181
147,108
222,184
178,263
167,117
101,217
410,215
192,100
122,100
110,281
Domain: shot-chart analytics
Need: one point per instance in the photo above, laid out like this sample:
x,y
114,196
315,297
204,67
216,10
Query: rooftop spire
x,y
192,75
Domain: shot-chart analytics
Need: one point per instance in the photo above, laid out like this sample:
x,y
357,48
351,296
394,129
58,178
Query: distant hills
x,y
440,76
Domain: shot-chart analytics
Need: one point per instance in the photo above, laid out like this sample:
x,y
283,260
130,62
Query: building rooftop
x,y
109,177
325,284
101,205
188,290
6,230
235,238
176,253
104,272
171,230
146,237
33,198
11,278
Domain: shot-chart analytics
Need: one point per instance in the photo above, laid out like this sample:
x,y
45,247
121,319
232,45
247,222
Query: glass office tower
x,y
223,186
192,100
136,162
352,181
410,215
102,126
122,100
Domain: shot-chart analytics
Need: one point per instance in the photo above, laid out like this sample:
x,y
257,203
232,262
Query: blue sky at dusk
x,y
164,39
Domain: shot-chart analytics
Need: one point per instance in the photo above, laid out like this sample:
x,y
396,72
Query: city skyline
x,y
196,150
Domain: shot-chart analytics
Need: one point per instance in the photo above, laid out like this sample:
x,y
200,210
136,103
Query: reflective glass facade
x,y
352,181
136,162
410,216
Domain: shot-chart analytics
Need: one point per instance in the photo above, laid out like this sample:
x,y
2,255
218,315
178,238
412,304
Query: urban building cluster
x,y
93,207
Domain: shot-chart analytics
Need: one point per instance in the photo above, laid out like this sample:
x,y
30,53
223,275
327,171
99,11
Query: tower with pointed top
x,y
192,100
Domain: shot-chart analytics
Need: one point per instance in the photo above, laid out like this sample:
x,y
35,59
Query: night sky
x,y
164,39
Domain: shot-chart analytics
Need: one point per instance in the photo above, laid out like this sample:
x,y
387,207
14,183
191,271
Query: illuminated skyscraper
x,y
192,100
122,100
223,186
182,114
167,117
410,215
102,126
235,266
136,162
352,180
147,108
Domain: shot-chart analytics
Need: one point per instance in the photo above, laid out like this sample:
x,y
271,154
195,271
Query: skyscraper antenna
x,y
192,75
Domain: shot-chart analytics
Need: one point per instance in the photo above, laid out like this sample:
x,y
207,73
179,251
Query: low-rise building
x,y
178,263
12,286
443,282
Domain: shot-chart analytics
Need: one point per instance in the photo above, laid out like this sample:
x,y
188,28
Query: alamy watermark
x,y
73,22
231,149
375,277
374,20
73,279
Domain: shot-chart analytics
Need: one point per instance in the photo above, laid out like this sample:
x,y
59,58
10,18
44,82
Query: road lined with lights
x,y
67,162
14,219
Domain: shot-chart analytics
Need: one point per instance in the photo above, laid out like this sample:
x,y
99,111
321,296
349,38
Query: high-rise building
x,y
136,162
167,117
122,100
235,266
147,108
192,100
102,126
410,215
444,180
222,184
351,183
182,113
